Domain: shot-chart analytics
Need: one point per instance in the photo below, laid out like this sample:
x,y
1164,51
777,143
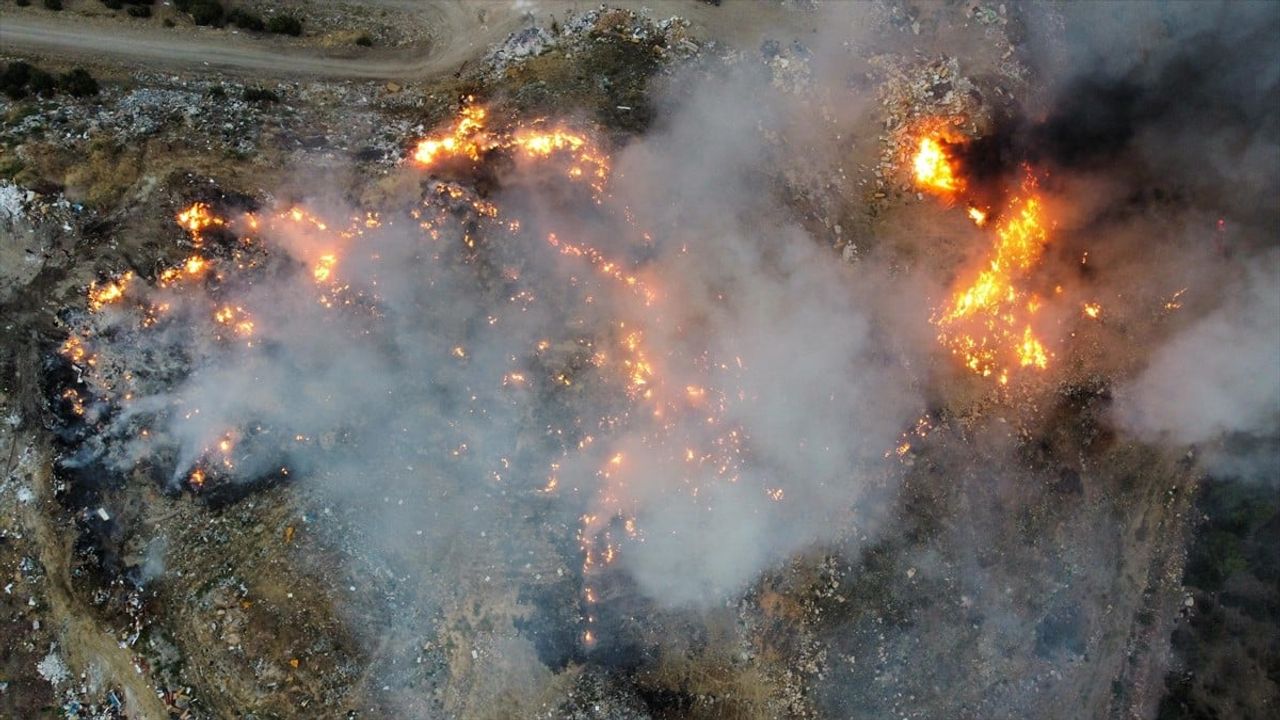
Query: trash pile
x,y
671,36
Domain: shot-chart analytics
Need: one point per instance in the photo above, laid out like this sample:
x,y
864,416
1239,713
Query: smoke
x,y
1158,137
728,401
674,379
1221,374
1186,110
789,345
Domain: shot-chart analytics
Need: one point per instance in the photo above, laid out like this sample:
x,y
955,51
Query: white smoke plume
x,y
1221,374
729,401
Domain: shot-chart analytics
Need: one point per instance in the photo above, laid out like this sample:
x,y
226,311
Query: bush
x,y
41,83
259,94
113,4
79,83
245,20
13,81
22,3
208,12
285,25
182,5
168,22
364,40
140,11
53,4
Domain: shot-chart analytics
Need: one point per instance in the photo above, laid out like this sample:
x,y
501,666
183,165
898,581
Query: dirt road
x,y
460,31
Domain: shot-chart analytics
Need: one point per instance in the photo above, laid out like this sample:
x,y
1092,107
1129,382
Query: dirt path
x,y
86,643
461,31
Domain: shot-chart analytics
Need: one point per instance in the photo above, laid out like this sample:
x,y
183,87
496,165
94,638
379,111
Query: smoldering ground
x,y
779,378
731,407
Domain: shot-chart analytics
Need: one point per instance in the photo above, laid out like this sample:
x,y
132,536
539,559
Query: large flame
x,y
988,320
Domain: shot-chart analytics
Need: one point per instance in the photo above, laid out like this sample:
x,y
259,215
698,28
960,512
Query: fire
x,y
198,217
1031,352
1092,310
466,138
324,267
73,397
987,321
470,138
934,168
73,349
543,144
235,318
109,292
618,353
1175,302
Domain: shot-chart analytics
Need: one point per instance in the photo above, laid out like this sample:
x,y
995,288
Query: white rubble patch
x,y
52,668
12,202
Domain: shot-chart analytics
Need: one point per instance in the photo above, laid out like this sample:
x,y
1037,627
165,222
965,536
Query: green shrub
x,y
364,40
79,83
140,11
22,3
113,4
53,4
285,25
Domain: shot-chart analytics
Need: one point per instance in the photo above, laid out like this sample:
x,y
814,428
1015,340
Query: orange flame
x,y
470,138
466,138
109,292
986,321
196,218
934,168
